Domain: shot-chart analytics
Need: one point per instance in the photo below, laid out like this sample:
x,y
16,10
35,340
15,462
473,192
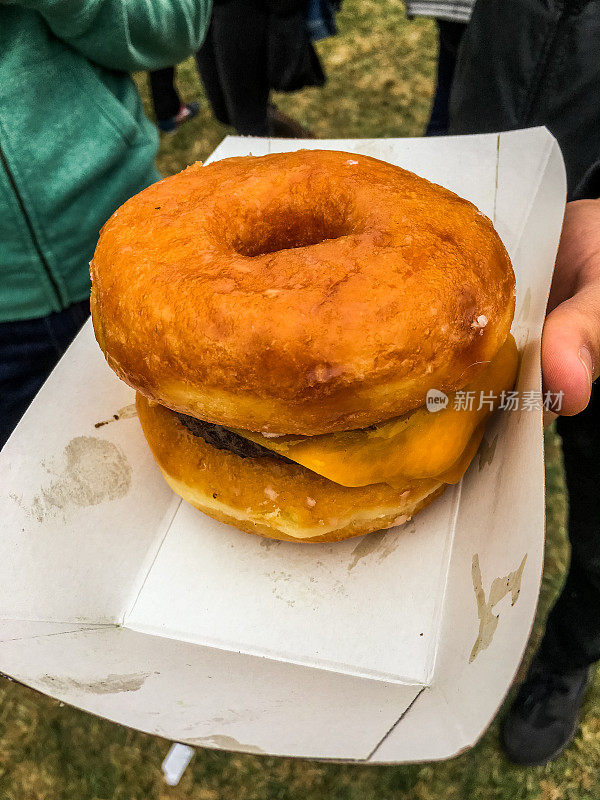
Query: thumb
x,y
571,349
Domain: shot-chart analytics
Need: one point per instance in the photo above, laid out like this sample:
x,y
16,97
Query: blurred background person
x,y
536,62
255,46
74,145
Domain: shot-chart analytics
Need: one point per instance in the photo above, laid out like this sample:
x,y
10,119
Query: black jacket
x,y
534,62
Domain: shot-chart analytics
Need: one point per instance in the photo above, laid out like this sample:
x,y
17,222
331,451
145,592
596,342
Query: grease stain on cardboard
x,y
269,543
127,412
289,589
526,306
95,471
382,543
224,743
112,684
488,621
229,716
487,451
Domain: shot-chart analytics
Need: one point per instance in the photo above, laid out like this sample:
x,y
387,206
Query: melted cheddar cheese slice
x,y
420,444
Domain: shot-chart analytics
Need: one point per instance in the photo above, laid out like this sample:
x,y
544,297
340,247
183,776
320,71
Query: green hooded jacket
x,y
74,140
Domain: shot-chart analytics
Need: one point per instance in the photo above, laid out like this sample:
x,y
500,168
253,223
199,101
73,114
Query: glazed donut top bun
x,y
303,292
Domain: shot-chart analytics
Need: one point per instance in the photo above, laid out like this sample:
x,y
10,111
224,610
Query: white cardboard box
x,y
120,599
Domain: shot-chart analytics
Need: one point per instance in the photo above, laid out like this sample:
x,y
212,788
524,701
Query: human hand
x,y
571,336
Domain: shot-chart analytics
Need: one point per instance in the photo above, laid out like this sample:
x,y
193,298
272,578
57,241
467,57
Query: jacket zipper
x,y
31,230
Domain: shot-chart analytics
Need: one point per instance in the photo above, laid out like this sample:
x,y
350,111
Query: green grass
x,y
380,83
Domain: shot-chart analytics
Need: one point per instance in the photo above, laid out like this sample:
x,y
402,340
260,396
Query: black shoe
x,y
544,716
186,111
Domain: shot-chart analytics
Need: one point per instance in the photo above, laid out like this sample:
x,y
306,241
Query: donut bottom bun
x,y
270,497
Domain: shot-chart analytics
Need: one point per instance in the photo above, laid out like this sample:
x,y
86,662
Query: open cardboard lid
x,y
119,598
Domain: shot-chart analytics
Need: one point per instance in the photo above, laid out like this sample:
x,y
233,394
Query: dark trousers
x,y
572,637
449,35
29,350
233,65
165,99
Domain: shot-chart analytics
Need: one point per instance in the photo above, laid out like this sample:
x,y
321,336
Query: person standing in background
x,y
536,62
452,18
74,145
252,47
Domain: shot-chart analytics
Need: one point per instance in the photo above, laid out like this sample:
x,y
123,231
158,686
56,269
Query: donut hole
x,y
287,231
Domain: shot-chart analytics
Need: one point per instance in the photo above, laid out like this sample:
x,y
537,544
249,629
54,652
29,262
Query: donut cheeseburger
x,y
283,319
